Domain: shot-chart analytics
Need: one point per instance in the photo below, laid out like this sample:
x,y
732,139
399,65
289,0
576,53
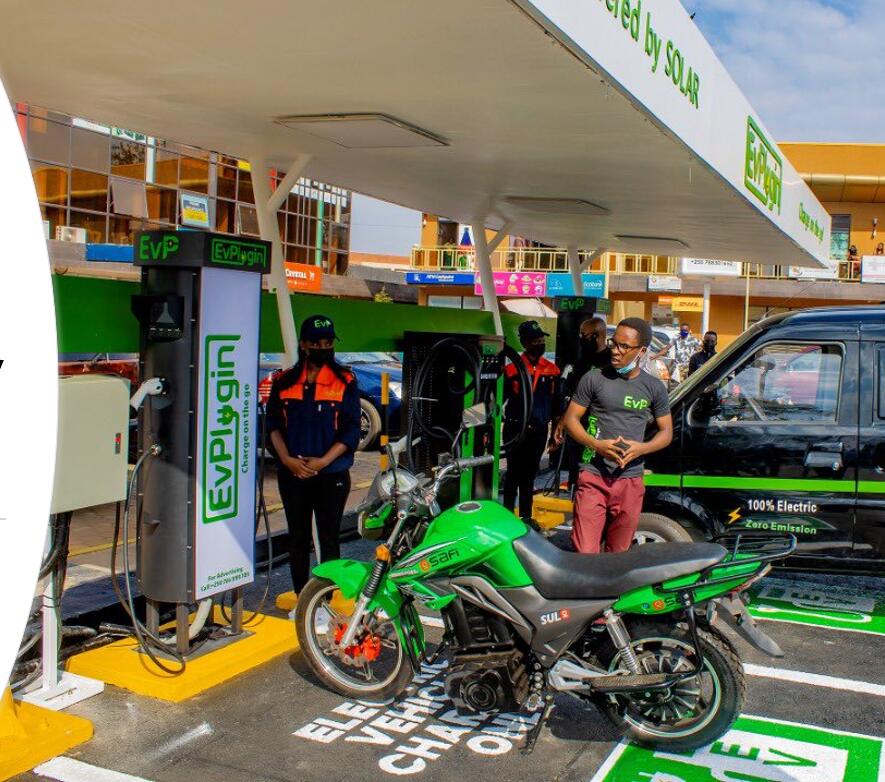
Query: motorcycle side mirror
x,y
473,416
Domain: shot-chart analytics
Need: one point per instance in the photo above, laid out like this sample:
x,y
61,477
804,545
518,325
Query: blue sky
x,y
813,69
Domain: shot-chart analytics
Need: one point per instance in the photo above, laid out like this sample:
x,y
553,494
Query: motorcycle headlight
x,y
396,389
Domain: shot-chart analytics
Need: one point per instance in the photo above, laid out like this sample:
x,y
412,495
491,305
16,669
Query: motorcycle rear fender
x,y
350,576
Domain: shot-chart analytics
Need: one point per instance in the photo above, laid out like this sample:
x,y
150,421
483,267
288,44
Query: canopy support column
x,y
266,205
574,266
484,266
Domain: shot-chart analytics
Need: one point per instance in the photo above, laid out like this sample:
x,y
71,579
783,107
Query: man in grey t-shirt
x,y
620,401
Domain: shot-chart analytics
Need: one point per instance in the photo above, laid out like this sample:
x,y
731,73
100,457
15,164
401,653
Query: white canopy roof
x,y
549,115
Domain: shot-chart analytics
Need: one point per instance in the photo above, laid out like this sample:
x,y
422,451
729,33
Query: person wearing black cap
x,y
313,416
524,458
620,399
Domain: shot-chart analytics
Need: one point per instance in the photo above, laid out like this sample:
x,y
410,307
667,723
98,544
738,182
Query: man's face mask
x,y
536,351
683,332
320,357
709,345
589,343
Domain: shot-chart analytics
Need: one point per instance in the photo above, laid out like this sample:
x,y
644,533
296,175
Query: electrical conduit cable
x,y
527,395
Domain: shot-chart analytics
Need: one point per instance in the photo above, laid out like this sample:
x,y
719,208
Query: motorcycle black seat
x,y
566,575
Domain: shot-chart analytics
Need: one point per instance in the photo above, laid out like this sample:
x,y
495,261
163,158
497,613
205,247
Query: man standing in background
x,y
682,348
707,351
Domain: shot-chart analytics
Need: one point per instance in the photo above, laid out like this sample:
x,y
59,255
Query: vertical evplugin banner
x,y
226,431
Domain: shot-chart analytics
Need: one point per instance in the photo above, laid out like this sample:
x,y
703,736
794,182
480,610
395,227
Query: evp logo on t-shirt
x,y
635,404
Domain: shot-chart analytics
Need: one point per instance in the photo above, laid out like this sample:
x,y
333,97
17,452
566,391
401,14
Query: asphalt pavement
x,y
815,715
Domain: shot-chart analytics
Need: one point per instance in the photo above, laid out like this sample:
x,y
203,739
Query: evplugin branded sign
x,y
763,168
221,428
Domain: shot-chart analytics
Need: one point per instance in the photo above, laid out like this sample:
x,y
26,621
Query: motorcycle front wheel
x,y
375,667
692,713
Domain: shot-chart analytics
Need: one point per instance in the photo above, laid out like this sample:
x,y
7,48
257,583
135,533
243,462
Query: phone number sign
x,y
755,749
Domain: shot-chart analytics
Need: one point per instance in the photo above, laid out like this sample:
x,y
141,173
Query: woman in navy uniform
x,y
313,416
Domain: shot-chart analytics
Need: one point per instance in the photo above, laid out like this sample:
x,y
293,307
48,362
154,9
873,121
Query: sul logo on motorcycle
x,y
555,616
637,633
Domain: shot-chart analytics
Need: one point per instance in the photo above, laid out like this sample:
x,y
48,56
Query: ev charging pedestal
x,y
199,312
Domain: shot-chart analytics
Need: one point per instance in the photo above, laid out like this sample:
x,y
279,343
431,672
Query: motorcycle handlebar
x,y
476,461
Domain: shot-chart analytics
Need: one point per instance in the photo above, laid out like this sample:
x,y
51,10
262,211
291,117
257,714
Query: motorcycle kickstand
x,y
532,737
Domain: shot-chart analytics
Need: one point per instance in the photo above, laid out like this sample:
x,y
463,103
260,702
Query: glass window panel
x,y
225,216
128,198
55,216
195,175
166,168
296,254
127,158
294,202
881,382
51,183
247,220
244,191
783,382
226,182
162,204
36,111
89,190
95,225
49,141
90,150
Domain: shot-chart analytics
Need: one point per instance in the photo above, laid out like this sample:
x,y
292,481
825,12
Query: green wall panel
x,y
94,317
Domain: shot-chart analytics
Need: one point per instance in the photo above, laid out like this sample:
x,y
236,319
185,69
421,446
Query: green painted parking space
x,y
754,750
818,605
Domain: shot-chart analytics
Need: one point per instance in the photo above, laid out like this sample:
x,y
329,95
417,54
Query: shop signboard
x,y
831,272
664,283
757,749
708,267
682,303
304,277
195,211
655,53
439,278
872,268
527,284
559,284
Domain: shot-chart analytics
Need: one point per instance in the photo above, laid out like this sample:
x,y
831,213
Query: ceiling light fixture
x,y
363,131
564,206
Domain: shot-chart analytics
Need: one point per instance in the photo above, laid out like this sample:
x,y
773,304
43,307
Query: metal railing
x,y
463,259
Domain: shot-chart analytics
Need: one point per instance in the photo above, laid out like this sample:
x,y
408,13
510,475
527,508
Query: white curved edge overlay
x,y
28,388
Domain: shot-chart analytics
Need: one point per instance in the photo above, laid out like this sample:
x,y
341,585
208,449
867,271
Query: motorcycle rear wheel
x,y
319,618
694,712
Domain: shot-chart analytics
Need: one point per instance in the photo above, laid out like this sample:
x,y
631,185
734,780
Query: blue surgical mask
x,y
629,368
683,332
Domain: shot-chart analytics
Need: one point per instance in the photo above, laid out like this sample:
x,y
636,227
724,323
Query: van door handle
x,y
831,446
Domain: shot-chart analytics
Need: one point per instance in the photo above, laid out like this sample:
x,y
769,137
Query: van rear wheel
x,y
655,528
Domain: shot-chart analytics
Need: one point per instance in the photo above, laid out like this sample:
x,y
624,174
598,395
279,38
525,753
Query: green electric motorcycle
x,y
637,633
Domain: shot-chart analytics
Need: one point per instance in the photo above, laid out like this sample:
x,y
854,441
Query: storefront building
x,y
99,185
848,179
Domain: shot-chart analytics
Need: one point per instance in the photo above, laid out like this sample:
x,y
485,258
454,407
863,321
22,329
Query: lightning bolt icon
x,y
734,516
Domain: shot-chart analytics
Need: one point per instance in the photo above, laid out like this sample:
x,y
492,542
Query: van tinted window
x,y
783,382
881,382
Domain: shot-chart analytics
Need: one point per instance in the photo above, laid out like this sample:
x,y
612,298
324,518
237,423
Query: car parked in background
x,y
368,369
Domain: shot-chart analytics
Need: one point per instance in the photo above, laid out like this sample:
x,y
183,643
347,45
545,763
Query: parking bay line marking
x,y
66,769
815,679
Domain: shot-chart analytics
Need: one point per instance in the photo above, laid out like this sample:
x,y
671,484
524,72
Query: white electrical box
x,y
93,441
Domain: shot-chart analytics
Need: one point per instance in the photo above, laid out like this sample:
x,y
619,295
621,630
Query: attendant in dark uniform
x,y
313,416
707,351
524,458
594,354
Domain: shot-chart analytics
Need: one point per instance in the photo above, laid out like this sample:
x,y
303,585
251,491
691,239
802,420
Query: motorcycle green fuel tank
x,y
473,538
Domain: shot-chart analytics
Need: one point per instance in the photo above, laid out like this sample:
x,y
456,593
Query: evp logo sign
x,y
237,253
157,249
763,168
221,428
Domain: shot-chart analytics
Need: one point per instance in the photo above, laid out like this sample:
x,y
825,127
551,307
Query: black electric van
x,y
784,430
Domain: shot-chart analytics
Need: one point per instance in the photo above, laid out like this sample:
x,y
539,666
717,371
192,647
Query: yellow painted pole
x,y
385,402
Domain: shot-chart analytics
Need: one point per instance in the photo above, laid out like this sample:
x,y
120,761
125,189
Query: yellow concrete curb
x,y
31,735
122,665
286,601
550,512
